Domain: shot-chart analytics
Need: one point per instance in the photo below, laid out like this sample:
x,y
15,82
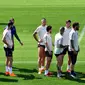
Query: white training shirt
x,y
57,43
8,38
48,39
41,30
73,35
66,36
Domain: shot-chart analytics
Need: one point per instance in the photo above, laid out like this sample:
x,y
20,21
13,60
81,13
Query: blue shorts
x,y
8,52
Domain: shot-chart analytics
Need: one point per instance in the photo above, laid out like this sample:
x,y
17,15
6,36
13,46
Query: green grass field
x,y
27,14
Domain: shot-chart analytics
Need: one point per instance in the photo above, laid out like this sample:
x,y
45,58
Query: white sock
x,y
39,69
68,67
42,67
46,72
10,69
7,70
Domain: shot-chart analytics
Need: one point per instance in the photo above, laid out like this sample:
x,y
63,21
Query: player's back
x,y
66,36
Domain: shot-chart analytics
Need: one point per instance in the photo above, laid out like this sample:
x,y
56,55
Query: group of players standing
x,y
65,41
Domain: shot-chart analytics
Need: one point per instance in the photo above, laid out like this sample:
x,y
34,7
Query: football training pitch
x,y
27,15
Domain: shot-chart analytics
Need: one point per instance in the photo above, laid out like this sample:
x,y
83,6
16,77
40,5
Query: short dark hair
x,y
68,21
62,28
9,24
48,28
11,20
75,24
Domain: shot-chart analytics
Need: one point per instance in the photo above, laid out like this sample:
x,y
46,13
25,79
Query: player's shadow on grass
x,y
1,73
25,70
28,77
24,76
80,79
3,23
7,79
80,75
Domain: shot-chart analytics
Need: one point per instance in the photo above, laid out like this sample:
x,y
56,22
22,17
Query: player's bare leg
x,y
7,66
40,57
43,60
48,62
59,65
10,67
69,64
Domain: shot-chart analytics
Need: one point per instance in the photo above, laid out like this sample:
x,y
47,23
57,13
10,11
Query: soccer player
x,y
14,32
8,44
40,31
59,50
66,40
48,49
73,47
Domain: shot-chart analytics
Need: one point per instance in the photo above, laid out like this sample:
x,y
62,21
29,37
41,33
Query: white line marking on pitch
x,y
81,34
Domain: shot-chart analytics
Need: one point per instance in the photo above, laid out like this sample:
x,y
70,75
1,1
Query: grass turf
x,y
27,14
